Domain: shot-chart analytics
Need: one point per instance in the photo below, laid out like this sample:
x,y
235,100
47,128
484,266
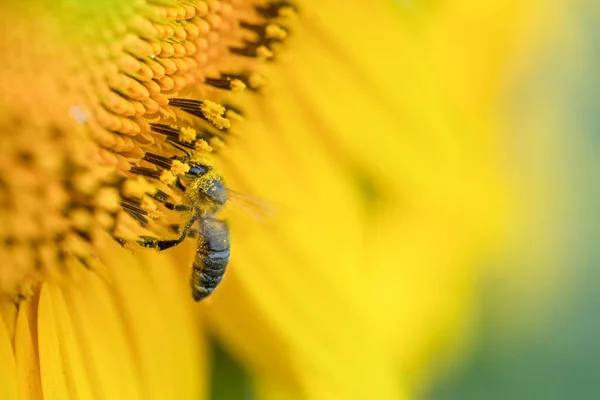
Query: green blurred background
x,y
541,340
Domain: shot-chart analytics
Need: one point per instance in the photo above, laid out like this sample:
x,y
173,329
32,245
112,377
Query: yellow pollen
x,y
167,177
256,81
107,199
147,204
237,86
187,135
202,145
212,108
217,143
274,31
286,12
213,112
155,214
263,53
179,168
136,188
220,122
150,206
201,157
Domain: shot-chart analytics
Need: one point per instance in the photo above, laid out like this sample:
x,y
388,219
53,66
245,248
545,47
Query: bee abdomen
x,y
208,271
212,257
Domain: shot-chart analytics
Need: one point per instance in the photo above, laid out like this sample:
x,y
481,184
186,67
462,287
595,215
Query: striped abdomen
x,y
212,256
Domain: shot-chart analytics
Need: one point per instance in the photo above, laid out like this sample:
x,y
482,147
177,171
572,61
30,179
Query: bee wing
x,y
259,209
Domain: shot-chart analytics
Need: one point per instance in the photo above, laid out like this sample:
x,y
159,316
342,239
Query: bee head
x,y
197,170
206,183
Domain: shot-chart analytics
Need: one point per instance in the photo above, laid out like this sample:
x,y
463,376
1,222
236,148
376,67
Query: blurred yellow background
x,y
538,333
529,329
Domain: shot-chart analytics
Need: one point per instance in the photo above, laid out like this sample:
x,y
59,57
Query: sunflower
x,y
355,197
93,102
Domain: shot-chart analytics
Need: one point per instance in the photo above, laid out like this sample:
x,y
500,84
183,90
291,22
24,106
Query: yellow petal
x,y
92,305
26,354
158,318
384,172
288,277
129,333
8,372
62,367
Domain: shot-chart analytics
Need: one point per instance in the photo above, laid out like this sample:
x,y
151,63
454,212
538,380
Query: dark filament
x,y
271,10
158,160
149,172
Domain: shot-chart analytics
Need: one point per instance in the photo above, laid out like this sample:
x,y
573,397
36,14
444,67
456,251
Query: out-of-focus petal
x,y
8,372
26,354
62,369
381,155
128,332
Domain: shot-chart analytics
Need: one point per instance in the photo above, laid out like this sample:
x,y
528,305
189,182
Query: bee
x,y
205,195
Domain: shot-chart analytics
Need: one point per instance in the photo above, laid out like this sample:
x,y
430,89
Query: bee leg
x,y
122,242
193,233
179,185
113,228
158,244
152,242
178,207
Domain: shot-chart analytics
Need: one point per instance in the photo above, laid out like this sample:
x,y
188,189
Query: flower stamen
x,y
205,109
107,156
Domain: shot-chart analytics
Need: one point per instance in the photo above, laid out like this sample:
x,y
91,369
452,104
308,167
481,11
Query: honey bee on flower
x,y
192,175
126,123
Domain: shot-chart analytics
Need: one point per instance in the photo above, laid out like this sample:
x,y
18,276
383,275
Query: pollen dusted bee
x,y
205,195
